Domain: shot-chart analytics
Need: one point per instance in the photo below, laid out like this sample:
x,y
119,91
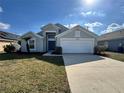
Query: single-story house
x,y
74,40
6,38
112,40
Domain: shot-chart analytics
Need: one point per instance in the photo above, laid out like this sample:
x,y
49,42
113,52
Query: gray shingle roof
x,y
112,35
62,27
50,27
7,35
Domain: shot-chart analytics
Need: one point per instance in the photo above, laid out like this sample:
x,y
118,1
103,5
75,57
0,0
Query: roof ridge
x,y
119,30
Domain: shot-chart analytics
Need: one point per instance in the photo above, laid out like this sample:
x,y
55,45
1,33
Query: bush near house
x,y
100,50
58,50
9,48
121,49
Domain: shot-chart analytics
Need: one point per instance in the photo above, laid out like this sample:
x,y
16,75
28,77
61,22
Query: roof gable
x,y
62,27
30,35
78,28
50,27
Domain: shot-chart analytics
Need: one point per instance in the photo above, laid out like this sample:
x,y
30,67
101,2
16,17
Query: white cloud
x,y
91,26
71,25
4,26
86,13
112,27
1,9
92,13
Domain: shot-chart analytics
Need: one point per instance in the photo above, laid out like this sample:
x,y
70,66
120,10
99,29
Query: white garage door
x,y
80,45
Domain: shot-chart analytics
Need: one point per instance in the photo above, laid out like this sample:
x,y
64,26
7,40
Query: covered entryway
x,y
77,45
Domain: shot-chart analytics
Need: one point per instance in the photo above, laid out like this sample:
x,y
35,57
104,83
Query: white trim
x,y
34,44
51,40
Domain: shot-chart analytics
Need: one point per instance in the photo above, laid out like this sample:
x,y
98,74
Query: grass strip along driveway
x,y
32,73
115,55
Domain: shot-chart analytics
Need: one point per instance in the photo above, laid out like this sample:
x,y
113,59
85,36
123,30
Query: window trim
x,y
34,43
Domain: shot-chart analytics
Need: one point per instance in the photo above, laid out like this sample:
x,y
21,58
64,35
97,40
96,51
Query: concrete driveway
x,y
94,74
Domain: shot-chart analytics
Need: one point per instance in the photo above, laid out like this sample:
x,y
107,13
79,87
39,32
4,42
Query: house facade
x,y
112,40
74,40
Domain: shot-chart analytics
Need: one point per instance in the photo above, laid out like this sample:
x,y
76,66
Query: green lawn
x,y
114,55
32,73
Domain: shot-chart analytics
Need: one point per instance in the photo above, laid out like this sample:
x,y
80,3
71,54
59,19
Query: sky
x,y
100,16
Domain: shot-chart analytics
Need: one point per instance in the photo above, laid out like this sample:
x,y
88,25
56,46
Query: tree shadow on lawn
x,y
57,60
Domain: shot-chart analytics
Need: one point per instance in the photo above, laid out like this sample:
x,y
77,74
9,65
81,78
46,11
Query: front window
x,y
32,44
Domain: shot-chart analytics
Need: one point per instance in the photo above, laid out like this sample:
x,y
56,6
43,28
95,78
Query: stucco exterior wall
x,y
3,43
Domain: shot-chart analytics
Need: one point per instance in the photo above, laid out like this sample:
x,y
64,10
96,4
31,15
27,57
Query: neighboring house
x,y
112,40
74,40
6,38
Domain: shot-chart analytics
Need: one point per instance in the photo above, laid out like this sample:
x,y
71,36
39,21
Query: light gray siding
x,y
23,46
44,44
72,35
39,45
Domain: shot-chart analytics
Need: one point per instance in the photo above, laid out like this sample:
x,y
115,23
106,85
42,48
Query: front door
x,y
51,45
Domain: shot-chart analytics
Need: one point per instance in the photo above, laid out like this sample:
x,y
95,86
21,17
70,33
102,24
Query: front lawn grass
x,y
115,55
32,73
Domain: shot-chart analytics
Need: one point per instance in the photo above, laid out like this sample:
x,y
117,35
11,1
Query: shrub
x,y
120,49
58,50
100,49
19,42
9,48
